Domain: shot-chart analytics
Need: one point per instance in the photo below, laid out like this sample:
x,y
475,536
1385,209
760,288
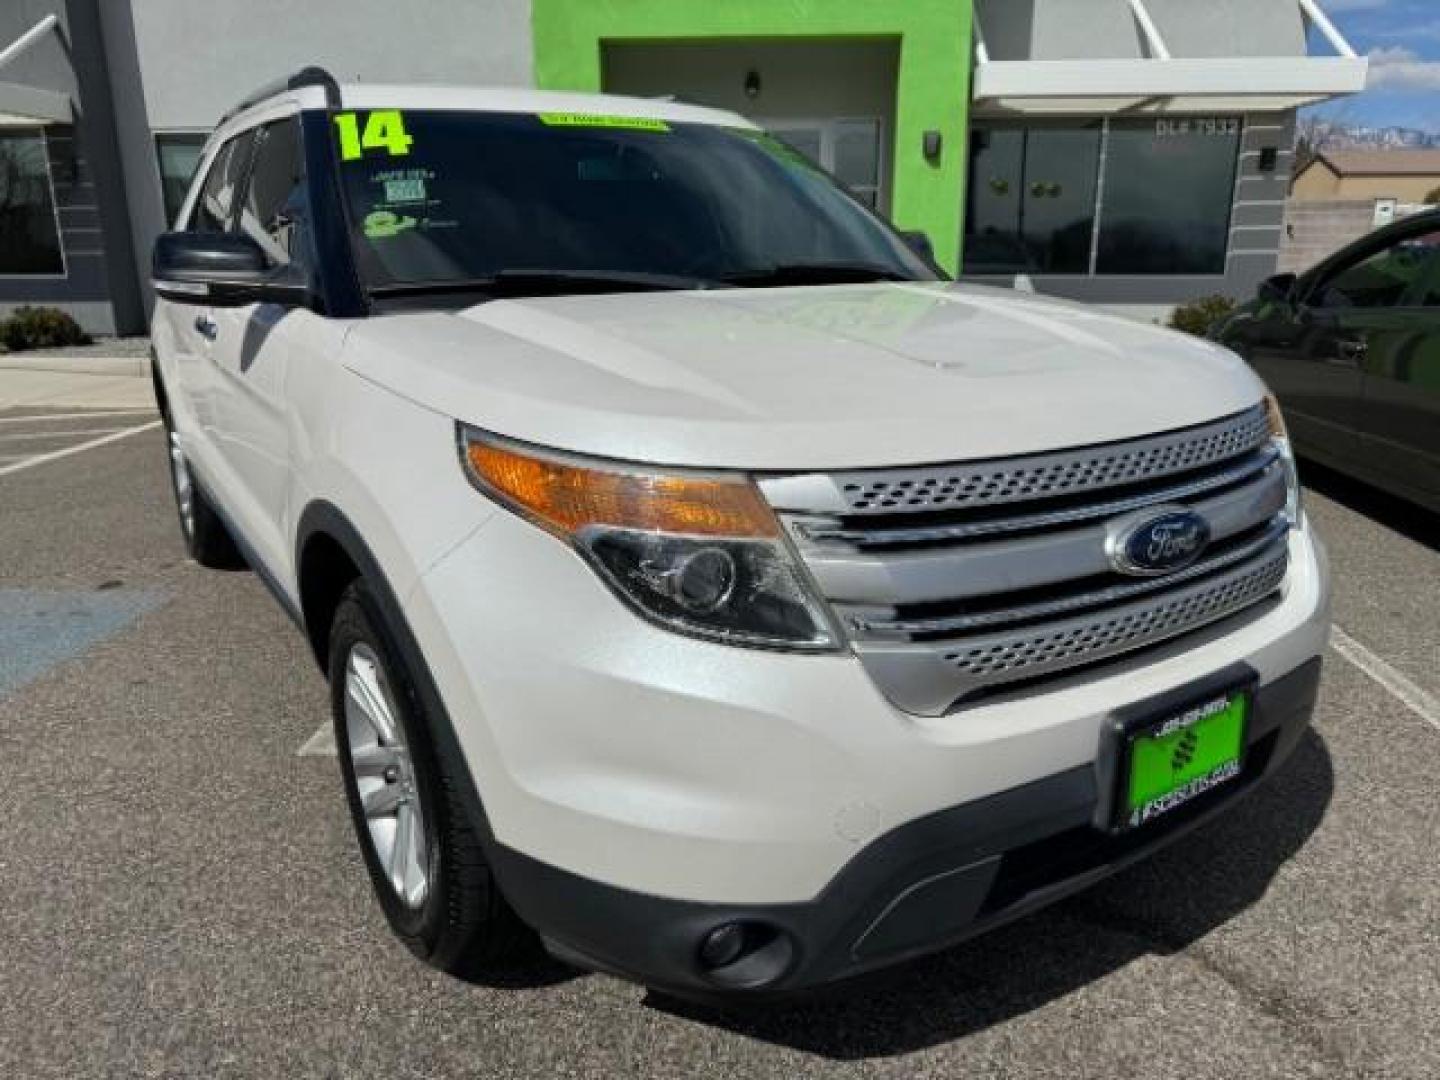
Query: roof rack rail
x,y
306,76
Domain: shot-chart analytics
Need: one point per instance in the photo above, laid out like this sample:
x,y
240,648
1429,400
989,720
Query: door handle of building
x,y
205,327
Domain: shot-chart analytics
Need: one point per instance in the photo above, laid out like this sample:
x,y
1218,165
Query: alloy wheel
x,y
384,773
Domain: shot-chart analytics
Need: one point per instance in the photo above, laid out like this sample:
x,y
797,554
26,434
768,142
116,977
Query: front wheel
x,y
425,860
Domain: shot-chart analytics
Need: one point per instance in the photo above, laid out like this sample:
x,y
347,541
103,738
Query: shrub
x,y
40,328
1200,316
1433,199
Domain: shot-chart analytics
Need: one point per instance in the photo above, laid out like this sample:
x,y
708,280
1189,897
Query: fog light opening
x,y
745,955
723,945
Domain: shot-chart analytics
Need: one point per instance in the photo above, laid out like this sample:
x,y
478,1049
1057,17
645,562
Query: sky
x,y
1402,39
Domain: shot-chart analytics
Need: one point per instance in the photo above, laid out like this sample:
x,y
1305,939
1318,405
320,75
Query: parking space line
x,y
89,414
41,459
1419,701
321,744
16,436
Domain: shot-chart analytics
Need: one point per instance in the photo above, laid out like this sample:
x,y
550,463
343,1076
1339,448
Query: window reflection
x,y
1031,205
1169,188
29,239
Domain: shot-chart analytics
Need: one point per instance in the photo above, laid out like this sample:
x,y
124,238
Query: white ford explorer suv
x,y
705,585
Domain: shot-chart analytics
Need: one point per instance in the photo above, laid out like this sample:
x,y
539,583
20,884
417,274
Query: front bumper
x,y
924,886
659,782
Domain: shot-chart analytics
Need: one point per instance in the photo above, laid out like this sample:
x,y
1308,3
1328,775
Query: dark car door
x,y
1399,422
1305,357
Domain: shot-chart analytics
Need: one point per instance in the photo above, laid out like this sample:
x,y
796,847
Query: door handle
x,y
205,327
1352,351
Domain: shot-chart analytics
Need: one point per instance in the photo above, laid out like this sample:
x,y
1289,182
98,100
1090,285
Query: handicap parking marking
x,y
321,744
41,628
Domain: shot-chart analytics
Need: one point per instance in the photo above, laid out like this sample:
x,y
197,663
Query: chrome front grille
x,y
977,586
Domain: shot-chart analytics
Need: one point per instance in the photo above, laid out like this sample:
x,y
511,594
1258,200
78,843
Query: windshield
x,y
447,199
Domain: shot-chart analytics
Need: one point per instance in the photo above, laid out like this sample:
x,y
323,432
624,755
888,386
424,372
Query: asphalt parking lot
x,y
184,898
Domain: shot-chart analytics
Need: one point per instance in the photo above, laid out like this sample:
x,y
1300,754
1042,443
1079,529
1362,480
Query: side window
x,y
212,212
1383,279
274,212
1426,248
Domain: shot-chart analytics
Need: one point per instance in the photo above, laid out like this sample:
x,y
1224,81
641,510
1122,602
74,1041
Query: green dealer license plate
x,y
1182,757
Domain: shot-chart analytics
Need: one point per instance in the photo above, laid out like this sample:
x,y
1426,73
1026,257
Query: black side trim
x,y
324,517
247,550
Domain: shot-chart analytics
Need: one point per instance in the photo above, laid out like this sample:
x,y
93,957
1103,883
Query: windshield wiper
x,y
814,273
528,282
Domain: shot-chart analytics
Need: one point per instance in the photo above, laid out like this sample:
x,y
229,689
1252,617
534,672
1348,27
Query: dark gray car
x,y
1352,349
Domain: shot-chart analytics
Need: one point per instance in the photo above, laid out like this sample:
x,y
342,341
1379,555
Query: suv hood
x,y
802,378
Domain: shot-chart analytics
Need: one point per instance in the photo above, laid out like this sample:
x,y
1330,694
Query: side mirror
x,y
919,242
219,270
1279,289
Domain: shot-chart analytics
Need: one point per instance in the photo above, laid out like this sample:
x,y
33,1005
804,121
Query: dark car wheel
x,y
207,540
425,860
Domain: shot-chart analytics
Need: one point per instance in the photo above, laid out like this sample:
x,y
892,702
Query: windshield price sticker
x,y
625,123
383,131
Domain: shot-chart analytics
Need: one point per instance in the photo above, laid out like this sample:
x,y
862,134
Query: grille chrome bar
x,y
929,680
957,579
954,624
979,484
876,538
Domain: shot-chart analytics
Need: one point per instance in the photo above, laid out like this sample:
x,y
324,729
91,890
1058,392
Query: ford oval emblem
x,y
1159,541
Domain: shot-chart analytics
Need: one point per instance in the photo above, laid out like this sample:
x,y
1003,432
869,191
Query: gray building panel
x,y
1108,29
198,59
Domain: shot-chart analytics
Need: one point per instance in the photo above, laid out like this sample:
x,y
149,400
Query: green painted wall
x,y
933,91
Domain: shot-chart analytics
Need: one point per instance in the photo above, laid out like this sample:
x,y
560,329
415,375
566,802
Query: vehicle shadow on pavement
x,y
1406,518
1158,907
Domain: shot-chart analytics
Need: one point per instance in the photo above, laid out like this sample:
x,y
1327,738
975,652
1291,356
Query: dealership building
x,y
1135,153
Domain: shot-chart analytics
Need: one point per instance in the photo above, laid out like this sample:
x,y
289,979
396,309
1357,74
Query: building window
x,y
1169,189
29,236
1112,197
179,155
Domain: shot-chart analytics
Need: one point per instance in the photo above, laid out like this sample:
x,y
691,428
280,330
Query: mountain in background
x,y
1320,135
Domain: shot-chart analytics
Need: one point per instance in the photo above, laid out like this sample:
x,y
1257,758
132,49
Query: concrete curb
x,y
136,366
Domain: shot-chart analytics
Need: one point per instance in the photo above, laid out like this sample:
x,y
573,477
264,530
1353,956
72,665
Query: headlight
x,y
1280,436
700,553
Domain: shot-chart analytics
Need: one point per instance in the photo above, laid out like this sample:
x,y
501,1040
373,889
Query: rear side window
x,y
1385,279
213,209
1426,248
274,213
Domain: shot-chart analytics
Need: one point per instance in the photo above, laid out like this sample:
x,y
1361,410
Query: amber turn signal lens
x,y
569,497
1276,418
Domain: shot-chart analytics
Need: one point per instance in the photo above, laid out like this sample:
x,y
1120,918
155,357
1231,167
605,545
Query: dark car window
x,y
1427,248
213,209
1383,279
274,212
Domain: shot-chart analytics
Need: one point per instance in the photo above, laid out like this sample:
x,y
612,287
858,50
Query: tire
x,y
207,540
438,895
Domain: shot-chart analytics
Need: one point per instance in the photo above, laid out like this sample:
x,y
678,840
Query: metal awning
x,y
31,106
1161,82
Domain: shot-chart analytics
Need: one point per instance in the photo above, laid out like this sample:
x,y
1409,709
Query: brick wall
x,y
1315,229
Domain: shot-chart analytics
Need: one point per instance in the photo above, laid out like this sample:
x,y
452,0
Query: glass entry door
x,y
1031,199
849,149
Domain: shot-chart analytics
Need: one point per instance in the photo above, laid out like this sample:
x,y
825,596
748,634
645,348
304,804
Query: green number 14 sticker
x,y
384,130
